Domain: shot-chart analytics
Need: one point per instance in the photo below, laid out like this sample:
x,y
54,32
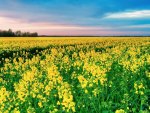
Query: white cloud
x,y
129,14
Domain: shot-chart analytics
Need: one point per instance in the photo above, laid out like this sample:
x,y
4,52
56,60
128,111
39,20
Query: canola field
x,y
82,75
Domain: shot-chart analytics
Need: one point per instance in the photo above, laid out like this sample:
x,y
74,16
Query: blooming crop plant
x,y
67,75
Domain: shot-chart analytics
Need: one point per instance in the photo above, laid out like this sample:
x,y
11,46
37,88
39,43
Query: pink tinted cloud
x,y
44,28
48,28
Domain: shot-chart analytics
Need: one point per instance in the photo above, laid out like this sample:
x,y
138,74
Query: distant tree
x,y
10,33
18,33
34,34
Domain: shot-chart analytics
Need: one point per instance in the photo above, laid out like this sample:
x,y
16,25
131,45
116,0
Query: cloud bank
x,y
76,17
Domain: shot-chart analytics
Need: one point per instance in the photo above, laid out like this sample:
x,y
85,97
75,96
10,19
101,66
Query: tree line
x,y
10,33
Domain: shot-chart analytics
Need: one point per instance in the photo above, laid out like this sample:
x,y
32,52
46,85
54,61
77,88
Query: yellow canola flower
x,y
139,88
30,110
64,93
54,111
28,76
3,95
54,51
120,111
16,110
22,89
66,59
82,81
40,104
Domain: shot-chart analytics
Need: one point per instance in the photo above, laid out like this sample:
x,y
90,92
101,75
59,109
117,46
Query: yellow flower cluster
x,y
4,94
82,81
65,96
139,88
120,111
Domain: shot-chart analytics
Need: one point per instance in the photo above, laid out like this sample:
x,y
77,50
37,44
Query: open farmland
x,y
59,75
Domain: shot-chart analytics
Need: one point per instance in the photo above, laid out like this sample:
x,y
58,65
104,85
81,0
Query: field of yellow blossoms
x,y
82,75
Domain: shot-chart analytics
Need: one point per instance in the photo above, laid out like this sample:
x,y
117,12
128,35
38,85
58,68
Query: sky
x,y
77,17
